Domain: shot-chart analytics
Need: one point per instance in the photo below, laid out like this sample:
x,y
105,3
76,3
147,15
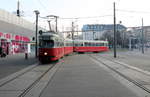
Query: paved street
x,y
14,63
79,76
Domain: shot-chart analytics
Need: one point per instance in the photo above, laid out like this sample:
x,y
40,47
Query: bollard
x,y
26,56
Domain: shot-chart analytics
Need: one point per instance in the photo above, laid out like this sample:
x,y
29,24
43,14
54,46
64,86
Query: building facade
x,y
136,32
95,31
15,33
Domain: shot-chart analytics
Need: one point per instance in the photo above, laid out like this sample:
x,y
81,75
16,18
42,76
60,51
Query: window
x,y
46,43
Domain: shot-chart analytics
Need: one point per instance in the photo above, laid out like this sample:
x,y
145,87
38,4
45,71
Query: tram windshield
x,y
46,44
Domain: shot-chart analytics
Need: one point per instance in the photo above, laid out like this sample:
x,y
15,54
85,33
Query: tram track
x,y
16,75
33,84
127,66
122,74
25,80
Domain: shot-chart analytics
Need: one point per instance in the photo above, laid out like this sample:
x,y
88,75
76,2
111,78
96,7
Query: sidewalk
x,y
13,63
134,58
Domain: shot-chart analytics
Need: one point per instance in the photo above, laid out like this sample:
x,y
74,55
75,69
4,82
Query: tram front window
x,y
46,44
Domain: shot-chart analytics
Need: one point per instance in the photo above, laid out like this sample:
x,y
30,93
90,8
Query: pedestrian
x,y
1,50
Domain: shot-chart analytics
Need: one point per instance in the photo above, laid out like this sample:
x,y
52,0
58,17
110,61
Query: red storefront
x,y
12,44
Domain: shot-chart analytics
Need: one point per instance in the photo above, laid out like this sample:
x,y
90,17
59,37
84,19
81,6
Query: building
x,y
95,31
15,33
136,32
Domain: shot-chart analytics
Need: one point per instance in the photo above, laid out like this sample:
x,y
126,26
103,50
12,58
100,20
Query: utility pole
x,y
114,31
18,8
36,31
72,30
142,38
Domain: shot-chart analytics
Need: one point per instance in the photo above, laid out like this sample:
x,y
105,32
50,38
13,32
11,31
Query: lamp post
x,y
36,31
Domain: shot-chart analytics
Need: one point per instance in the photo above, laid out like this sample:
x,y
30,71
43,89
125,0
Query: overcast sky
x,y
129,12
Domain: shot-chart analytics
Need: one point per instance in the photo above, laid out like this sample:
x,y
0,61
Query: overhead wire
x,y
42,5
132,11
86,17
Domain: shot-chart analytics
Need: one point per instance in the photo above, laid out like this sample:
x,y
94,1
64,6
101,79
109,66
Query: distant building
x,y
137,33
95,31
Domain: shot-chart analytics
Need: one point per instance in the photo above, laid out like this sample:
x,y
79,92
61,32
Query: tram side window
x,y
107,44
67,44
103,44
86,44
81,44
61,44
93,44
77,44
99,44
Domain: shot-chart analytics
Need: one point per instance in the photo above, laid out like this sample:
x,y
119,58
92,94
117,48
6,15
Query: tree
x,y
108,35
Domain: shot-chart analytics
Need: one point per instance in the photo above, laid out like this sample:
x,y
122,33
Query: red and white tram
x,y
51,47
68,46
90,46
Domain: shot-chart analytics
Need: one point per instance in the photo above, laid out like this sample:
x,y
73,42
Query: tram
x,y
52,47
82,46
68,46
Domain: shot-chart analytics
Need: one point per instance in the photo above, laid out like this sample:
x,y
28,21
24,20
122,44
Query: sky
x,y
130,12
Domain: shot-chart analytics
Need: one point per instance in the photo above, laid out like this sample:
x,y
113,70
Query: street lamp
x,y
36,31
55,18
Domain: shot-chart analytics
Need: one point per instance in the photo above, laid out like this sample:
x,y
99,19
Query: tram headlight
x,y
45,53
